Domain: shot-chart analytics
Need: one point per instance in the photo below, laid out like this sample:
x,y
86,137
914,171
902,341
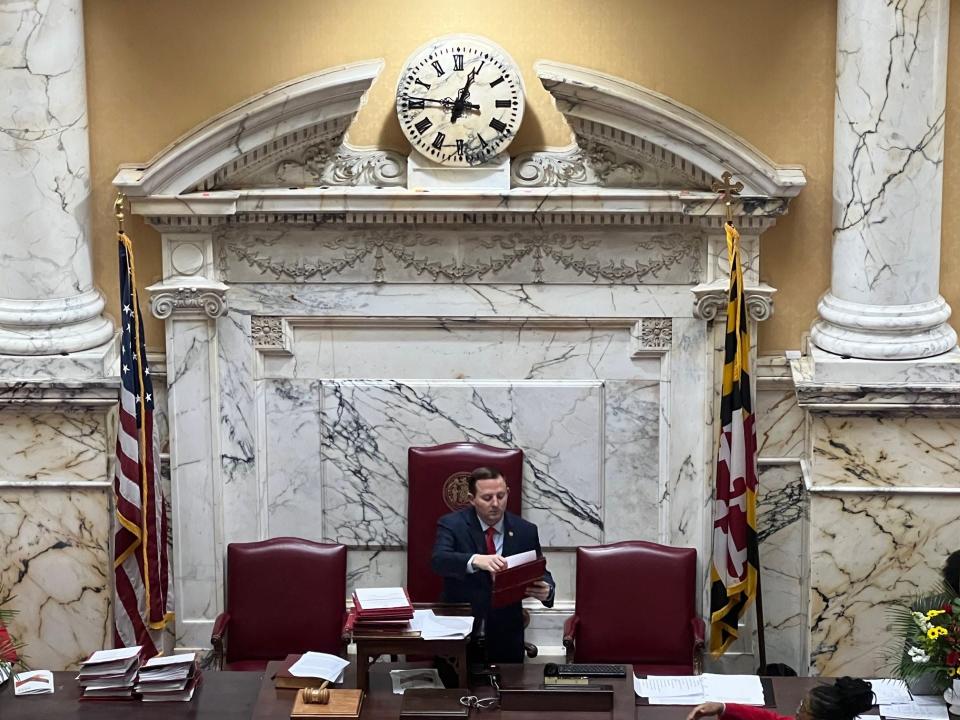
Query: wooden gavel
x,y
318,695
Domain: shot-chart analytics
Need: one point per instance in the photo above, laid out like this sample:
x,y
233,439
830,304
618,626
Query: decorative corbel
x,y
189,296
710,300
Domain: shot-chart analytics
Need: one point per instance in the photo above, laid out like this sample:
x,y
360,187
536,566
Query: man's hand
x,y
490,563
539,590
705,710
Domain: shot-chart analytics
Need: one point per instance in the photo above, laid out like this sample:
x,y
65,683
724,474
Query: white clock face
x,y
460,100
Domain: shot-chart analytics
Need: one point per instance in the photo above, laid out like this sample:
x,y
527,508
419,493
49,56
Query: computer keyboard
x,y
591,670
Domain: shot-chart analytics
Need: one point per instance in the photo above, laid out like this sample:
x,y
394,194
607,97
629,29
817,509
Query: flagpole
x,y
727,190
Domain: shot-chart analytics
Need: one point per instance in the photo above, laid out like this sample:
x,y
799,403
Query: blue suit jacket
x,y
459,536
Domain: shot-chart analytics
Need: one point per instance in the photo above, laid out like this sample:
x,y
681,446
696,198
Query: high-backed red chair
x,y
636,604
284,595
437,484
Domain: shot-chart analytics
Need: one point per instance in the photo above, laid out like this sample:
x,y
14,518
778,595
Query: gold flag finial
x,y
118,211
727,190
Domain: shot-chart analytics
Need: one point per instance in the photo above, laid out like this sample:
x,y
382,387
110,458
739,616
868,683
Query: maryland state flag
x,y
733,571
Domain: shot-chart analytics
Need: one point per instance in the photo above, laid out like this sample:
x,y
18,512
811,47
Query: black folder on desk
x,y
430,704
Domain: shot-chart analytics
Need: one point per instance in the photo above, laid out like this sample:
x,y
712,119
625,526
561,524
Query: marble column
x,y
884,301
48,303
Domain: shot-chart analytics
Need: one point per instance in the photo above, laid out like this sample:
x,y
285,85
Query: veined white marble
x,y
55,548
59,444
884,299
462,301
464,350
900,542
48,303
368,426
886,451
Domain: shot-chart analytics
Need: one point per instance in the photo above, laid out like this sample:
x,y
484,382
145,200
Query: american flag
x,y
143,597
736,559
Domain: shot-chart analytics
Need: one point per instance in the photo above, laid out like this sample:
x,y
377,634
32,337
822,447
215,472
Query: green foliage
x,y
926,638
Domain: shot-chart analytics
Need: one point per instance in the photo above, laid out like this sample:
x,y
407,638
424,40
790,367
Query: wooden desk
x,y
222,696
453,651
370,648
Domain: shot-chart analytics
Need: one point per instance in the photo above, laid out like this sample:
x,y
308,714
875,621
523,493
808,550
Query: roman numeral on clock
x,y
498,125
503,103
416,103
438,67
461,146
497,81
418,81
423,125
438,140
458,62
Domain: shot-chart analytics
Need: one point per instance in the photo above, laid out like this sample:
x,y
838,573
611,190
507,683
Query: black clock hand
x,y
446,102
461,102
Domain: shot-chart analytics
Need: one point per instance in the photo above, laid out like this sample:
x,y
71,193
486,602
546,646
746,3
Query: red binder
x,y
509,585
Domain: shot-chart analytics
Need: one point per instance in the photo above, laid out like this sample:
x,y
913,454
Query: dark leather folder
x,y
571,698
509,585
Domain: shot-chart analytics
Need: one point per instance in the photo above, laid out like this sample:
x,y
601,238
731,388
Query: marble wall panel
x,y
55,548
886,450
463,300
608,255
368,426
780,421
462,350
238,430
631,428
866,550
781,527
291,459
65,445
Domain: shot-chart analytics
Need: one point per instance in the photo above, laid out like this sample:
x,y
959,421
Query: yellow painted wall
x,y
763,68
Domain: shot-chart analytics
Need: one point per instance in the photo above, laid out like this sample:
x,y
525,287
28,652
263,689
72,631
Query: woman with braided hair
x,y
844,700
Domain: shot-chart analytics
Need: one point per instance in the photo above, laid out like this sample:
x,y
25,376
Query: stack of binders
x,y
169,678
110,674
381,611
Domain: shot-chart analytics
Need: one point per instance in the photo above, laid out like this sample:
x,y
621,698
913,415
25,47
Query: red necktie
x,y
491,545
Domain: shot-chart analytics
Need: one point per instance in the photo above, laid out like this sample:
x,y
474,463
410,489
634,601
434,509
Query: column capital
x,y
194,296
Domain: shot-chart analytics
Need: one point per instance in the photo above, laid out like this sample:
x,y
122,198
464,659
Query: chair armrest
x,y
570,636
217,636
699,633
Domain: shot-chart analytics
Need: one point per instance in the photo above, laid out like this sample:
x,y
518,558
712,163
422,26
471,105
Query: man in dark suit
x,y
470,548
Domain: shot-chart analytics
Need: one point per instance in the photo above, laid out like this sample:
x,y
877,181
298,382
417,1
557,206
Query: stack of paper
x,y
169,678
35,682
320,665
381,611
110,674
441,627
696,689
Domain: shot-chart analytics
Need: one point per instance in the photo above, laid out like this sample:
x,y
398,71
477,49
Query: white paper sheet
x,y
435,627
742,689
888,690
35,682
922,708
162,660
375,598
521,558
102,656
319,665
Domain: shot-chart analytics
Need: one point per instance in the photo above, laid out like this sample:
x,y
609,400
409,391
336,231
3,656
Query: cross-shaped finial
x,y
727,190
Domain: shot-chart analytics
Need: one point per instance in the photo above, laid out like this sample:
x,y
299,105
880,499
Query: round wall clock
x,y
460,100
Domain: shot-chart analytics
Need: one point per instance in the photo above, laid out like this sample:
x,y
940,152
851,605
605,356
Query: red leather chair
x,y
284,595
636,604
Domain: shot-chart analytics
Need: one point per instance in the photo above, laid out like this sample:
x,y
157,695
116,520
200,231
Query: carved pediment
x,y
243,145
624,130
